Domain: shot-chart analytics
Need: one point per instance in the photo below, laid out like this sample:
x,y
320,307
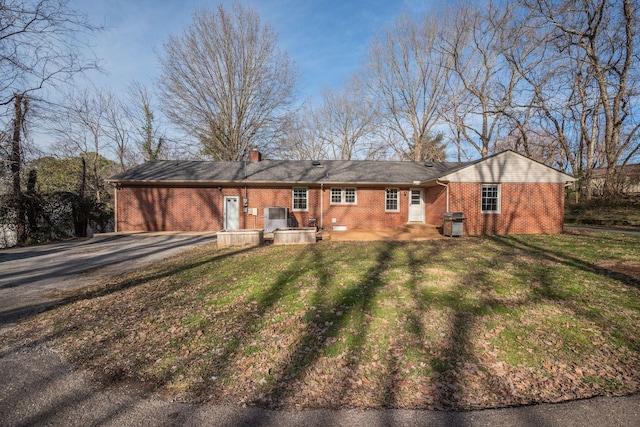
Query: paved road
x,y
37,387
29,276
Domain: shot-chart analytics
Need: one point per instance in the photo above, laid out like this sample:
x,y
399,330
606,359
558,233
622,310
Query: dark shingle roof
x,y
286,171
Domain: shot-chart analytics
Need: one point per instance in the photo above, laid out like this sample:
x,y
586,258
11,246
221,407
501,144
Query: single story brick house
x,y
506,193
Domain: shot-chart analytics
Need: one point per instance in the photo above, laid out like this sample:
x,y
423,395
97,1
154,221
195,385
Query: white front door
x,y
231,212
416,206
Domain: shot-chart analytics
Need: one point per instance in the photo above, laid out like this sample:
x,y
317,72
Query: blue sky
x,y
327,39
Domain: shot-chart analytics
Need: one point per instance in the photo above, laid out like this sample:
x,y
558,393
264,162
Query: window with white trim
x,y
490,198
300,199
343,196
336,195
391,200
350,196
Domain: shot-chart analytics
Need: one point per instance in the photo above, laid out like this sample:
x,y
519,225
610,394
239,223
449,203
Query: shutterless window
x,y
336,195
350,195
300,199
391,200
343,196
490,198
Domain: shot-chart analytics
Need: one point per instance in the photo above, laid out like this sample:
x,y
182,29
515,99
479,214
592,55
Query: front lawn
x,y
447,324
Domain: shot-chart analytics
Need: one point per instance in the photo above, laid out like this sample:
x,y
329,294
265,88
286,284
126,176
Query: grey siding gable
x,y
508,166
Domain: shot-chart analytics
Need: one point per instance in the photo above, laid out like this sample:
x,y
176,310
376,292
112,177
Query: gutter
x,y
115,208
243,182
445,184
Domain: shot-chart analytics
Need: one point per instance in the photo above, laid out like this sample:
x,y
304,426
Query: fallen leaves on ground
x,y
468,324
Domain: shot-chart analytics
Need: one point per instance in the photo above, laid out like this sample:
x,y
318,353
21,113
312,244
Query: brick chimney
x,y
255,155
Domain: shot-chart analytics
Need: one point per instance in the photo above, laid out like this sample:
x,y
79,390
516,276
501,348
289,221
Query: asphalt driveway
x,y
30,277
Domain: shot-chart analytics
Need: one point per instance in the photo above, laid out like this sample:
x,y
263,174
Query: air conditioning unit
x,y
275,218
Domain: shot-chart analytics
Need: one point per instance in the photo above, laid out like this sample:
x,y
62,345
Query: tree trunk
x,y
16,165
80,215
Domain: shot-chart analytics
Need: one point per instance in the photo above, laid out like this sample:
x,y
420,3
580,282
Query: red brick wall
x,y
201,209
435,200
169,209
525,208
369,213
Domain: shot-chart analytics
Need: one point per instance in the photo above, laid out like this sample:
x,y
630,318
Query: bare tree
x,y
79,130
346,122
225,81
21,106
41,47
482,81
540,146
407,77
602,35
543,97
117,128
149,138
302,139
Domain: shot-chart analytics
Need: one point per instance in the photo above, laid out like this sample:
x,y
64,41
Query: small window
x,y
350,196
490,198
342,196
416,198
391,200
336,195
300,199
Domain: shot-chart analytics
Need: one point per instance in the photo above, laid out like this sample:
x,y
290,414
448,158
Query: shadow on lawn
x,y
73,397
545,287
354,302
567,258
327,317
450,361
111,286
323,319
117,285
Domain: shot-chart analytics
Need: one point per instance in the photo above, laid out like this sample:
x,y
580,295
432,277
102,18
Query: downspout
x,y
445,185
245,199
245,205
322,206
115,208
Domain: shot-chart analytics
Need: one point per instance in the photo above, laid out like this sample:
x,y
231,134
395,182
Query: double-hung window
x,y
490,198
300,199
391,200
343,196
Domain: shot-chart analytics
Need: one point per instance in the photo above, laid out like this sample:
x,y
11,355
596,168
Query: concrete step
x,y
419,228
